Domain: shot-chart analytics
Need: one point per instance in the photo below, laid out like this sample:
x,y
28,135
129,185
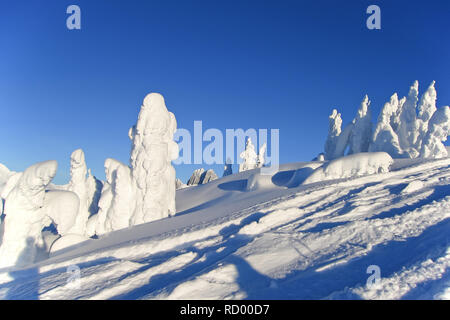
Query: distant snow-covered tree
x,y
249,156
261,156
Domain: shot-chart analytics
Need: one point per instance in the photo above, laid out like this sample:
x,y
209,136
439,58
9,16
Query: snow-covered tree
x,y
94,190
407,130
119,212
334,130
152,151
384,137
249,157
80,185
97,224
261,156
25,216
361,134
438,131
426,108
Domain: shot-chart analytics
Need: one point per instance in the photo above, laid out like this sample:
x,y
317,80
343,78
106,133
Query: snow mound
x,y
66,241
258,181
354,165
302,174
413,186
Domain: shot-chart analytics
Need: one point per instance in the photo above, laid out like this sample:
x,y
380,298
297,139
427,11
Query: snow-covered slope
x,y
253,236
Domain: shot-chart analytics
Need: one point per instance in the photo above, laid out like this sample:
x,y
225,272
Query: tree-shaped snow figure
x,y
249,156
152,151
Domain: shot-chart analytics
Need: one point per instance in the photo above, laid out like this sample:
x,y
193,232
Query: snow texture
x,y
310,241
352,166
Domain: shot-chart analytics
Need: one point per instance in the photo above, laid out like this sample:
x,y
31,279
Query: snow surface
x,y
280,238
354,165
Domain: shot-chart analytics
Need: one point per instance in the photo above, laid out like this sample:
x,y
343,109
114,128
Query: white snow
x,y
362,129
438,131
152,151
384,137
404,129
426,109
248,156
334,130
279,240
413,186
354,165
26,215
79,185
261,156
309,231
407,128
66,241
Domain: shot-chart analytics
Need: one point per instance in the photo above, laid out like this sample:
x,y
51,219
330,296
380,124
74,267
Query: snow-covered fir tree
x,y
248,156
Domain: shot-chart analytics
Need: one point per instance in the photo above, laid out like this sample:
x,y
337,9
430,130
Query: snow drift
x,y
354,165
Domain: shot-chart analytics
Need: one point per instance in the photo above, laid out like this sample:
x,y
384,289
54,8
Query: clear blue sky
x,y
231,64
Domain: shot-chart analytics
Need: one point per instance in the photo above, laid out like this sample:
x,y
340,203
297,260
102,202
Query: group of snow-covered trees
x,y
406,128
251,160
132,194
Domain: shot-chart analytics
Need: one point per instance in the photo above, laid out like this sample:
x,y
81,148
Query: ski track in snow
x,y
308,242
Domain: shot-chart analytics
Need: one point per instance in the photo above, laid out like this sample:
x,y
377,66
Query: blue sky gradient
x,y
232,64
